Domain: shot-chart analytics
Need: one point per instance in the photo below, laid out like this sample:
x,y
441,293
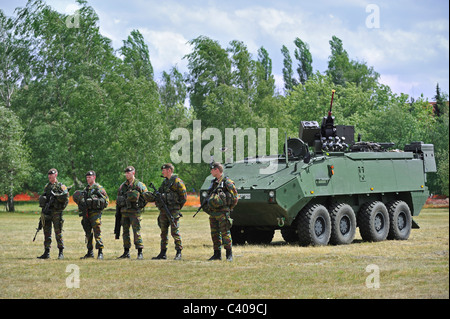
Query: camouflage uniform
x,y
55,214
131,201
219,205
92,218
173,191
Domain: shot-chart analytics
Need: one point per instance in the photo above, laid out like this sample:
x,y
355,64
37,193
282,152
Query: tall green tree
x,y
288,74
136,54
14,157
304,58
64,104
338,62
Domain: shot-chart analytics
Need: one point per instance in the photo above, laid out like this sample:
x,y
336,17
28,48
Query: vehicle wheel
x,y
343,224
314,225
256,236
238,235
373,221
400,220
290,234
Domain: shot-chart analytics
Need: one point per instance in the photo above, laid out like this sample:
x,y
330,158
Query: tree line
x,y
69,100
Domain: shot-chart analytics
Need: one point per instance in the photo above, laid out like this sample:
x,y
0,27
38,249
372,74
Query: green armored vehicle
x,y
325,185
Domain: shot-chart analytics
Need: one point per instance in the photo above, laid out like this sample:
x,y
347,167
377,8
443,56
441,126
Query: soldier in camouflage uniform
x,y
58,195
91,202
222,199
173,192
131,201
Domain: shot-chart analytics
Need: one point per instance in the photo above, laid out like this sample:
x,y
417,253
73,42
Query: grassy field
x,y
416,268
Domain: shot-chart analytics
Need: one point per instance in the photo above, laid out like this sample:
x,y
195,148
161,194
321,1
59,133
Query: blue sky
x,y
407,42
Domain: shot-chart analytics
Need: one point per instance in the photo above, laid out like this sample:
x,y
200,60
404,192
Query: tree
x,y
14,156
304,59
136,54
440,100
209,68
338,63
288,74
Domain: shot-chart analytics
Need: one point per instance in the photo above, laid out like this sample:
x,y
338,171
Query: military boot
x,y
89,254
61,255
126,253
217,255
140,256
178,255
162,255
100,254
46,254
229,255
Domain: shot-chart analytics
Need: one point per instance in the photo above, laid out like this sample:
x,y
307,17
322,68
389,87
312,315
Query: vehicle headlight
x,y
272,194
204,194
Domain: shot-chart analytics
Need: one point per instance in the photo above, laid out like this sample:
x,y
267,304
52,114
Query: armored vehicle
x,y
325,185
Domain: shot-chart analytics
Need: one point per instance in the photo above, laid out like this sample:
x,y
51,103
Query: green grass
x,y
416,268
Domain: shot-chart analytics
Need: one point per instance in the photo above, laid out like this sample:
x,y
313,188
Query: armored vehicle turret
x,y
325,185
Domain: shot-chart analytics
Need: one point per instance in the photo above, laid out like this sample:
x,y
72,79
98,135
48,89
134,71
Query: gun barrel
x,y
331,103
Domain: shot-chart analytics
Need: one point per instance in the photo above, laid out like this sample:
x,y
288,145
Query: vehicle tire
x,y
256,236
238,235
373,221
343,224
400,220
314,225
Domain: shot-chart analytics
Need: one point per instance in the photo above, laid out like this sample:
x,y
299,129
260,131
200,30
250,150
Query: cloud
x,y
167,49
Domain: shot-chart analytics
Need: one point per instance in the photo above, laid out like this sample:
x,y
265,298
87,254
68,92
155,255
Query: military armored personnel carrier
x,y
325,185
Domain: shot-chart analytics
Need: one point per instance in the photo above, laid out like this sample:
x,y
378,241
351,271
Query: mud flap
x,y
414,224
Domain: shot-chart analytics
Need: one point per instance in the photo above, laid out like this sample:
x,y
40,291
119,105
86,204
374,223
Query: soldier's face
x,y
90,179
129,175
166,172
52,178
215,172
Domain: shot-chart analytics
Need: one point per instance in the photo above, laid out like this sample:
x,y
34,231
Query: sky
x,y
405,41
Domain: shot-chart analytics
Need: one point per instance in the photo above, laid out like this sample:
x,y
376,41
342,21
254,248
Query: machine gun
x,y
45,211
160,200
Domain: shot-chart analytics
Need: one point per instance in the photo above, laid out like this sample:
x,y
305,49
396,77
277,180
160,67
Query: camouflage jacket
x,y
224,197
94,192
61,193
126,202
173,191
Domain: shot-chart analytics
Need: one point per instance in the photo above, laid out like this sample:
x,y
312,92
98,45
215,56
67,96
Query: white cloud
x,y
166,48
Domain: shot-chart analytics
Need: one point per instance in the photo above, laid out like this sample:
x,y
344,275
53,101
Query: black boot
x,y
61,255
178,255
162,255
100,254
89,254
126,253
139,255
229,255
46,254
217,255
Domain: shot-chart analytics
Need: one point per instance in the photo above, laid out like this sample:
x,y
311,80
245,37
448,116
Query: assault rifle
x,y
161,202
45,211
205,200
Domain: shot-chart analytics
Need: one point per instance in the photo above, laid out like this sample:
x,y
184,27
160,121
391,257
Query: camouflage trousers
x,y
164,223
133,220
91,225
220,225
55,218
